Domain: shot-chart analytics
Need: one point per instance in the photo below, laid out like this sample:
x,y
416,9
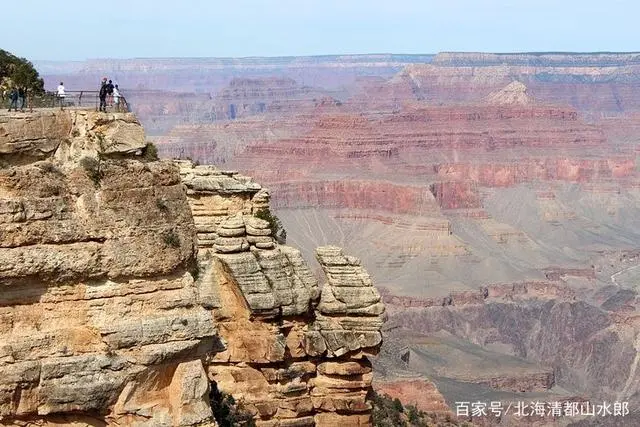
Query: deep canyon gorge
x,y
493,198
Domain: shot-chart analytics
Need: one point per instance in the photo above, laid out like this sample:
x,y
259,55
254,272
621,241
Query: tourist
x,y
110,88
116,97
13,96
103,95
22,95
61,95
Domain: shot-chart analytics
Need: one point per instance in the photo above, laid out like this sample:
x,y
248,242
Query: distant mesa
x,y
515,93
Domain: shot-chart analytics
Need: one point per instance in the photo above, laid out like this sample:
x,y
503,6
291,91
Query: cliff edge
x,y
132,287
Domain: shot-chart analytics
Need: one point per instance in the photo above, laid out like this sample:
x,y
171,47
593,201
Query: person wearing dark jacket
x,y
110,88
22,94
104,89
13,96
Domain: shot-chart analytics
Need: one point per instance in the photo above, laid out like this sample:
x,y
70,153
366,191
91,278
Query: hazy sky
x,y
74,29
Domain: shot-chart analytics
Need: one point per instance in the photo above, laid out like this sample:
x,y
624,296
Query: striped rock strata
x,y
130,286
294,356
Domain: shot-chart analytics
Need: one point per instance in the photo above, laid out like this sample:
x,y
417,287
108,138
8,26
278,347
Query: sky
x,y
83,29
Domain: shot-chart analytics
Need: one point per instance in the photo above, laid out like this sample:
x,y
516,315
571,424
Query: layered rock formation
x,y
100,316
130,284
589,82
295,356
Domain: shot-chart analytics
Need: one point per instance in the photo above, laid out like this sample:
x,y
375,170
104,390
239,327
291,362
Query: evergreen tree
x,y
19,72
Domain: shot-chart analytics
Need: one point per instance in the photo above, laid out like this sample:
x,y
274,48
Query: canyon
x,y
494,198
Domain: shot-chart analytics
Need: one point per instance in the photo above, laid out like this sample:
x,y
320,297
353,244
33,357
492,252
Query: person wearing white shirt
x,y
116,97
61,95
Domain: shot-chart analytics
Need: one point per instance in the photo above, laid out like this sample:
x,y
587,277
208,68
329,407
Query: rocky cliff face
x,y
130,284
295,355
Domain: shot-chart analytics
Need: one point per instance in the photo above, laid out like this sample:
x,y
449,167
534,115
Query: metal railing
x,y
73,99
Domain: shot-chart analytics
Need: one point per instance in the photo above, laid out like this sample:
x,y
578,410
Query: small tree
x,y
277,230
15,71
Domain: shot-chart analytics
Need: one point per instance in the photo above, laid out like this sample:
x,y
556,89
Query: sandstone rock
x,y
228,232
350,310
341,402
270,280
264,240
33,135
208,179
330,419
94,133
125,295
265,245
233,223
256,226
515,93
343,368
230,244
99,314
70,135
261,199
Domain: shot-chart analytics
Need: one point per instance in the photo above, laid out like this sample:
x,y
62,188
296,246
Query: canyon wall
x,y
133,287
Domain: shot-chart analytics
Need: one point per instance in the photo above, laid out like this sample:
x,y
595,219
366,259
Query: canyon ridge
x,y
493,198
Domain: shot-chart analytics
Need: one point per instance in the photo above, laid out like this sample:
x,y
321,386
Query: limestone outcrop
x,y
129,285
515,93
68,135
295,356
100,320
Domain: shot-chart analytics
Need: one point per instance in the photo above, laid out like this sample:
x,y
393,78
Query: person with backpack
x,y
13,96
104,88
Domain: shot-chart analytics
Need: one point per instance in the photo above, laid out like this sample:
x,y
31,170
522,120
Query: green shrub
x,y
228,412
277,230
171,239
92,167
49,167
388,412
397,405
150,152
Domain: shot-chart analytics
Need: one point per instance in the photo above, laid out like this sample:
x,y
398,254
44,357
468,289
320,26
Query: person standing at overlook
x,y
110,88
61,94
103,95
13,97
22,94
116,97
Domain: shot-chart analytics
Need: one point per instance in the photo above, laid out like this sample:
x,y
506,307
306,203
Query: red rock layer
x,y
504,174
456,195
376,195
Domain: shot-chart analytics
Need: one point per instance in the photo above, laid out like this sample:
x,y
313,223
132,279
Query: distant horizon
x,y
343,55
